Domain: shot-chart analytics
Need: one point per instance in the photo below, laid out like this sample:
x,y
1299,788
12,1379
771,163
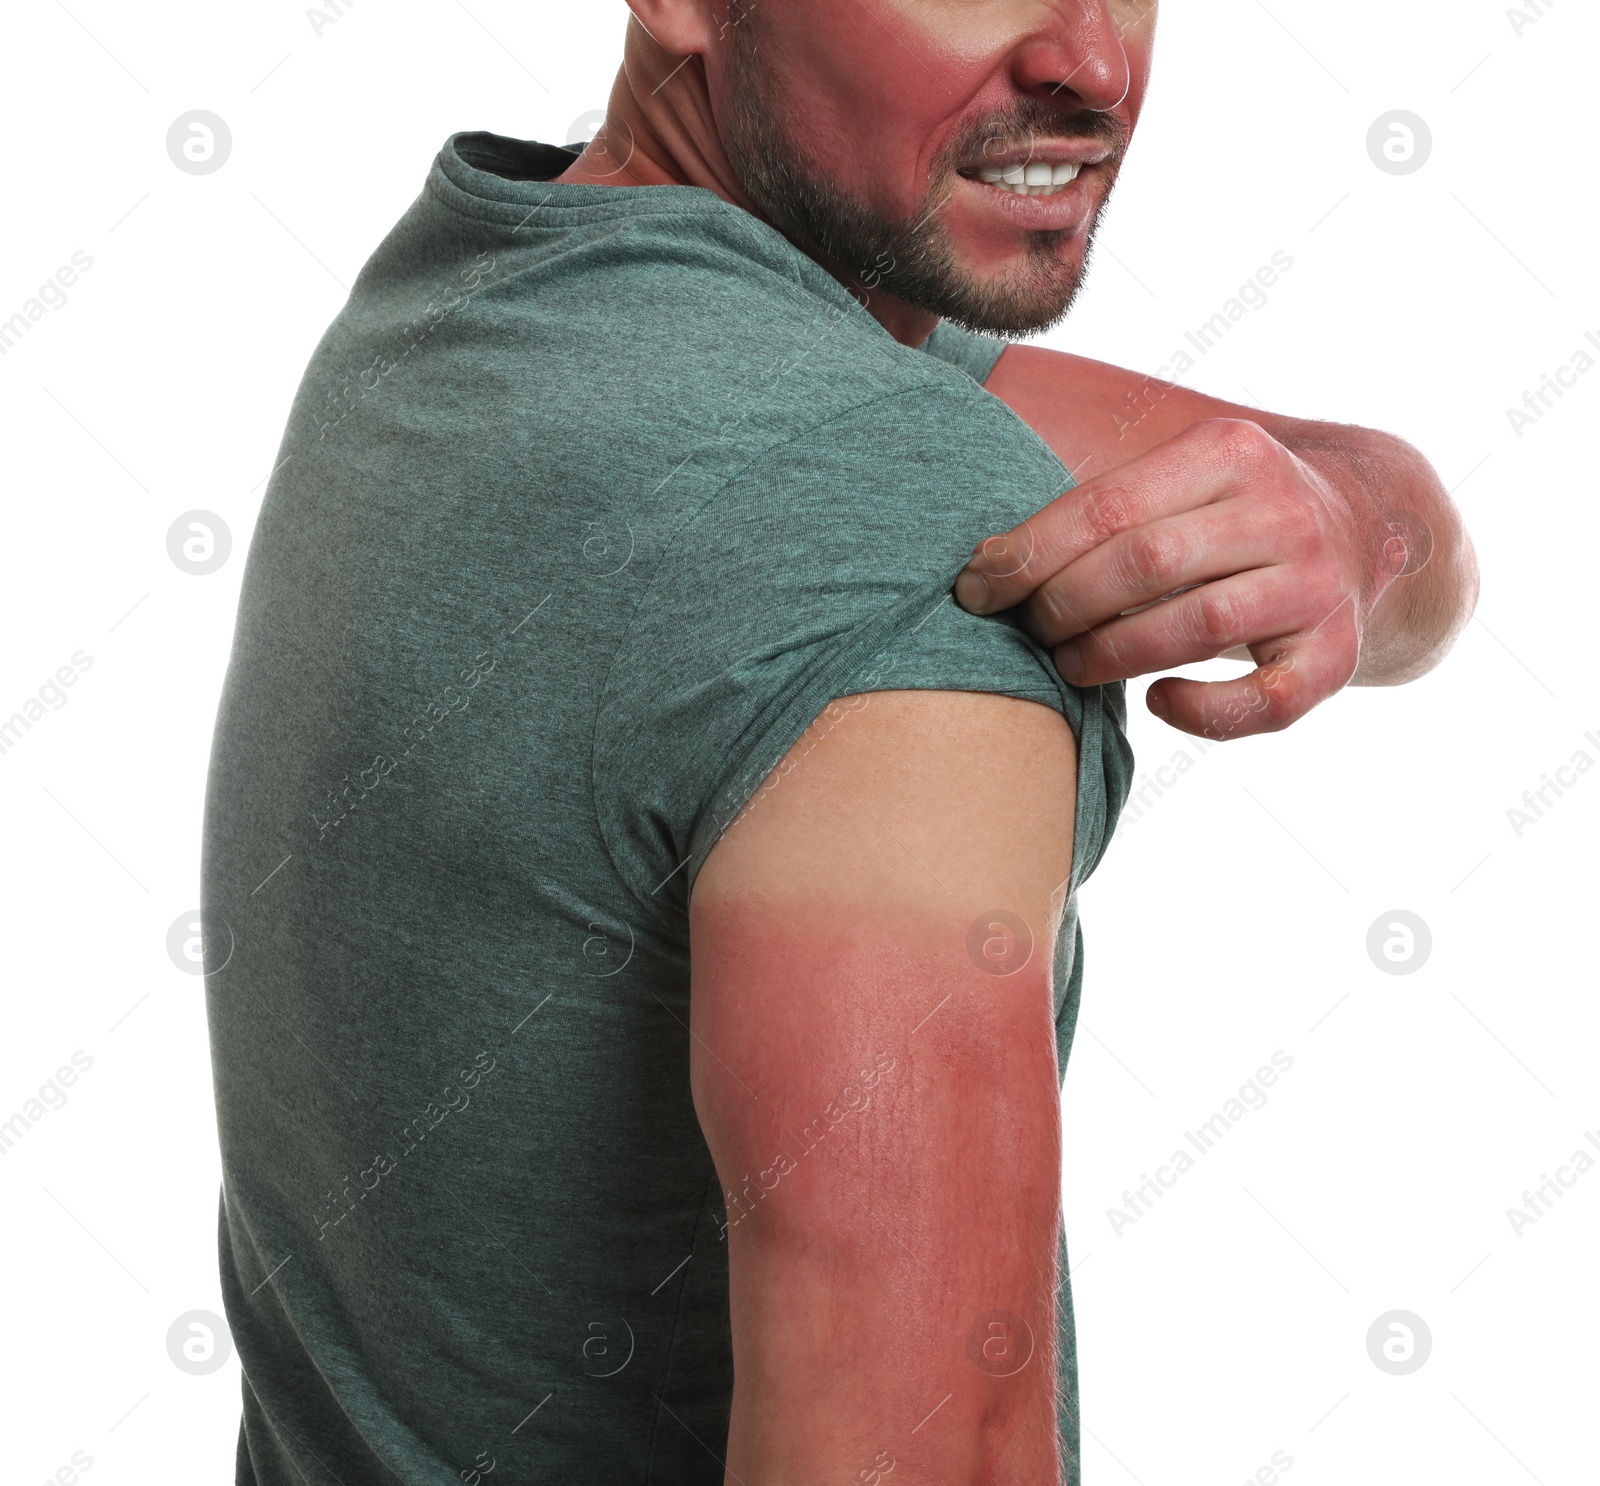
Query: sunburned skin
x,y
832,974
881,1101
954,87
891,111
945,67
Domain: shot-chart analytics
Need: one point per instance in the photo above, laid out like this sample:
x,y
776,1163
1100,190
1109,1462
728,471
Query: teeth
x,y
1036,178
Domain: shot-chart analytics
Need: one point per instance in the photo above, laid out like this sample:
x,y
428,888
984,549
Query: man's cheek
x,y
1135,23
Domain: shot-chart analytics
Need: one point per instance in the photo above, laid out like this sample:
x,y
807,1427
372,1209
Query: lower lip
x,y
1062,210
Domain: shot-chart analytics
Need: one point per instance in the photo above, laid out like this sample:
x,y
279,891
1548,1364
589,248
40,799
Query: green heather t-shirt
x,y
590,502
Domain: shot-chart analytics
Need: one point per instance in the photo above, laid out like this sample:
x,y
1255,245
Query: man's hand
x,y
1326,554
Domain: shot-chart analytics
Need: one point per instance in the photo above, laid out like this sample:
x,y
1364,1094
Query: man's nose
x,y
1078,51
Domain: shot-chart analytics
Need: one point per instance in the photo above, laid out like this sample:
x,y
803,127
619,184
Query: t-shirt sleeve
x,y
973,354
821,571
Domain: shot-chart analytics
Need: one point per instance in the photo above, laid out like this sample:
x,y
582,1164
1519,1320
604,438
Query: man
x,y
641,903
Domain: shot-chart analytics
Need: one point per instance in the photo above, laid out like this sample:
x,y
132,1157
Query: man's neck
x,y
660,131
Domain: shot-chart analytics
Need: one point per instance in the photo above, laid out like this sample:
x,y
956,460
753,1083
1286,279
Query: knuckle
x,y
1243,445
1050,615
1154,555
1221,617
1108,512
1282,698
1003,555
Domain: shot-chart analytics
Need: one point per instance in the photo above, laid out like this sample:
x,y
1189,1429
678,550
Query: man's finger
x,y
1306,670
1200,465
1257,608
1150,562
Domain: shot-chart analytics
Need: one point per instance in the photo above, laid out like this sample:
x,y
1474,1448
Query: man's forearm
x,y
1429,581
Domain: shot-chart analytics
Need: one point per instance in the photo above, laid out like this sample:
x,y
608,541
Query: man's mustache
x,y
1018,127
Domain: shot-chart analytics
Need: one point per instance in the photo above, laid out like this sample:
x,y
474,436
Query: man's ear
x,y
681,27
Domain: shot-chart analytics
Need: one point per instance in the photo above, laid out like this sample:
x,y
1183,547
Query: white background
x,y
1230,920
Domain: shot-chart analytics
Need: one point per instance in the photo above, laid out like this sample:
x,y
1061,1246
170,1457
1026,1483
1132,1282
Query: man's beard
x,y
913,257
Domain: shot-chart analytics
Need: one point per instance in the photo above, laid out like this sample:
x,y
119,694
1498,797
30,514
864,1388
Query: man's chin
x,y
1022,300
1010,318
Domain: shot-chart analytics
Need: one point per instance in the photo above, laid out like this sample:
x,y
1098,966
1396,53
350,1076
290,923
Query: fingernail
x,y
972,593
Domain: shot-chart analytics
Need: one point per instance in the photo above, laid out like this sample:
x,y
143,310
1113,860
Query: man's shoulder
x,y
718,306
722,327
870,511
935,456
672,288
655,312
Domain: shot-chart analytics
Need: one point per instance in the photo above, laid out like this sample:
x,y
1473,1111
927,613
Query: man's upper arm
x,y
1096,416
874,1068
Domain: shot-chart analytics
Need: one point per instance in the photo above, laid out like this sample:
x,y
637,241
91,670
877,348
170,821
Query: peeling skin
x,y
864,1242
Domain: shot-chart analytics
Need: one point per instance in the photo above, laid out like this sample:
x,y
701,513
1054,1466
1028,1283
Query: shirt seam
x,y
638,204
441,187
473,207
